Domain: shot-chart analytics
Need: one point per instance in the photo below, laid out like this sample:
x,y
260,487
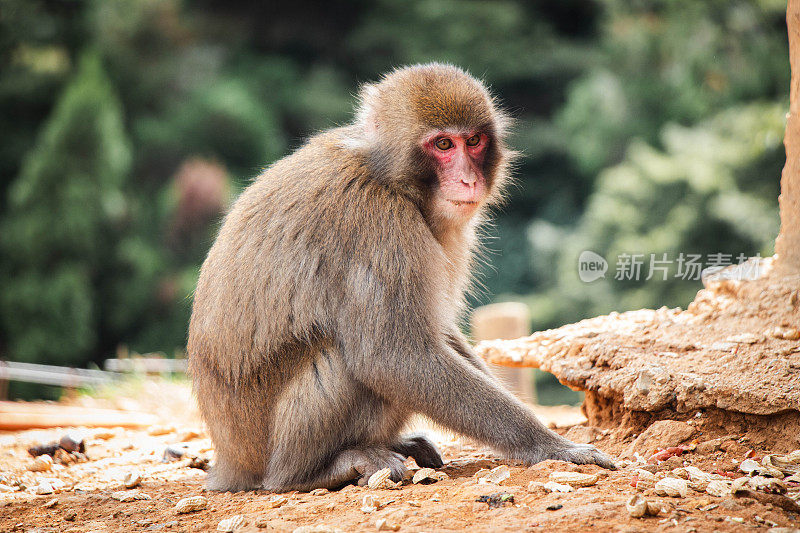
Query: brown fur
x,y
325,312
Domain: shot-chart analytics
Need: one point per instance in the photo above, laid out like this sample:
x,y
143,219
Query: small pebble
x,y
495,475
191,504
72,442
201,463
791,334
654,508
428,475
229,525
645,475
636,506
64,457
43,463
552,486
673,487
745,338
421,474
498,499
378,479
718,488
44,488
574,479
133,479
535,487
369,504
383,524
277,501
173,453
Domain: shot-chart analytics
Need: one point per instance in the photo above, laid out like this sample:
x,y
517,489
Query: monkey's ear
x,y
367,115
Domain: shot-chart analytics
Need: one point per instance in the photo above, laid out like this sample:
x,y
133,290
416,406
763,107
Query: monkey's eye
x,y
444,143
475,140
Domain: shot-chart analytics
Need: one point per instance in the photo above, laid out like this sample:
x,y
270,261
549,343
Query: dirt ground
x,y
85,493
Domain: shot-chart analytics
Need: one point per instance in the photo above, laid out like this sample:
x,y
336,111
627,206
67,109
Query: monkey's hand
x,y
421,449
581,454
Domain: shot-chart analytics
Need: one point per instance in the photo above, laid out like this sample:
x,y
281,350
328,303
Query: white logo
x,y
591,266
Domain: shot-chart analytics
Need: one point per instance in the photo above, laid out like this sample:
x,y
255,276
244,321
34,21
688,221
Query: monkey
x,y
326,312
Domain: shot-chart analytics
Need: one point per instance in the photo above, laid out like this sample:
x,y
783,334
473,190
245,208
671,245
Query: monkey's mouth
x,y
463,202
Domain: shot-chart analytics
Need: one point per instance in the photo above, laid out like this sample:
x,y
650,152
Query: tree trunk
x,y
787,245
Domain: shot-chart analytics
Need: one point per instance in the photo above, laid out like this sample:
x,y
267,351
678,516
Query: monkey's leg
x,y
238,421
230,474
350,465
330,430
421,449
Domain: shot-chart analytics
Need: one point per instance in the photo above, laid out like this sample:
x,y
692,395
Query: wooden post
x,y
787,245
509,320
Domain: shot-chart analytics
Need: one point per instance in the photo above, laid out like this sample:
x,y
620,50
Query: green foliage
x,y
512,40
36,41
672,61
65,210
705,192
223,120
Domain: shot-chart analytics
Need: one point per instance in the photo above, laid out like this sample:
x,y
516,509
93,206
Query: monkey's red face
x,y
458,160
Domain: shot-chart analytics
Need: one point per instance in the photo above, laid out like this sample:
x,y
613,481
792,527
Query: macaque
x,y
325,314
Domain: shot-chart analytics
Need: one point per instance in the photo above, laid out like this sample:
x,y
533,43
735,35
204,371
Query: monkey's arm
x,y
406,365
392,344
459,343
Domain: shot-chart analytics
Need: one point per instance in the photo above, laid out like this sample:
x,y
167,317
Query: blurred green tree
x,y
61,233
658,168
37,42
672,61
711,189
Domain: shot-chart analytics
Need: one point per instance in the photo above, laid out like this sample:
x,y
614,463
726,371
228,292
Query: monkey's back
x,y
273,281
253,294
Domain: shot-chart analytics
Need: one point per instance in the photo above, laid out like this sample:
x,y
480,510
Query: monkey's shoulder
x,y
324,196
323,167
331,170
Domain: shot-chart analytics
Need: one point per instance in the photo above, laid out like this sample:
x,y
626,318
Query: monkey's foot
x,y
582,454
421,449
350,465
367,461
